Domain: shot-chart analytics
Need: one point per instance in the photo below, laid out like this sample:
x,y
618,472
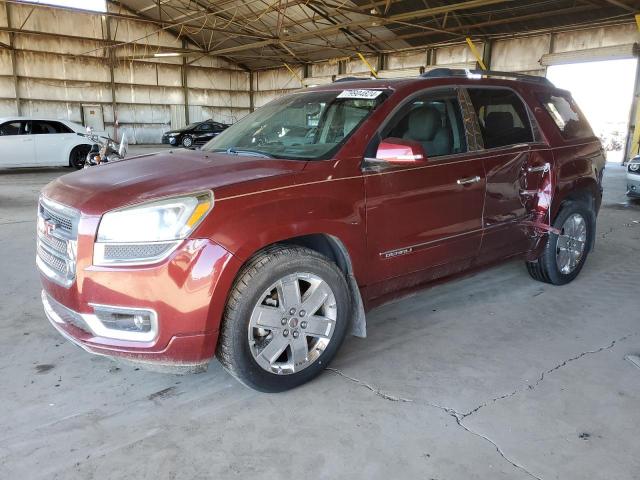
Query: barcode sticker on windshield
x,y
361,93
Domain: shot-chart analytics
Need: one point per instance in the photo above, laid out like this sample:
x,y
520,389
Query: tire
x,y
552,267
78,156
243,347
187,141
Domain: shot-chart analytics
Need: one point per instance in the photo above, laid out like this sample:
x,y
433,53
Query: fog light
x,y
123,320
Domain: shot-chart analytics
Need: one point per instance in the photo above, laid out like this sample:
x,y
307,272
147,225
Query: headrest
x,y
498,121
424,123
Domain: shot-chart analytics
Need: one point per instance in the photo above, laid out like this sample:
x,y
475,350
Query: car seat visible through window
x,y
425,125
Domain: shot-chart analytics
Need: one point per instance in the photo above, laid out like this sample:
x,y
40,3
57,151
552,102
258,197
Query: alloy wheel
x,y
571,243
292,323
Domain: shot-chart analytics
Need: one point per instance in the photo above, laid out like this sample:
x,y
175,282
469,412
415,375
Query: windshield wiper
x,y
250,153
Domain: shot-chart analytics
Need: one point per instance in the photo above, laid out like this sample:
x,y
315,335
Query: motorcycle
x,y
104,149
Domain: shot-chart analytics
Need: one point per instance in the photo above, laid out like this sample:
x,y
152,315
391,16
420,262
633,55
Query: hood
x,y
101,188
174,131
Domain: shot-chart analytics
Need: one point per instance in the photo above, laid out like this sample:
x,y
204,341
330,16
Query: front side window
x,y
502,117
12,128
566,115
306,126
433,121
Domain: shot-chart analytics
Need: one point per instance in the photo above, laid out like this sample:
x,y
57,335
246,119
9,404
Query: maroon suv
x,y
269,244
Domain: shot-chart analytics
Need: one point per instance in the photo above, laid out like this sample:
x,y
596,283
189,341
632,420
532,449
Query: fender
x,y
548,199
244,225
247,223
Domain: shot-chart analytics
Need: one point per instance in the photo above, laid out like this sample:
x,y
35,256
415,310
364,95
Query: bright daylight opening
x,y
93,5
604,91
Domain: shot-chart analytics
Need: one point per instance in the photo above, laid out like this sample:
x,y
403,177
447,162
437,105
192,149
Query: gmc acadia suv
x,y
269,244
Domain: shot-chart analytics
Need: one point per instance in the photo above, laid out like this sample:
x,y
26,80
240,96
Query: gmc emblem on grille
x,y
47,227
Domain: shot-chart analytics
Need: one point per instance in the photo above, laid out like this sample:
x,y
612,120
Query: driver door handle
x,y
468,180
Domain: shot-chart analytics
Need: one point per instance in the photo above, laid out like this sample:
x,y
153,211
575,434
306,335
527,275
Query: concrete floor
x,y
493,376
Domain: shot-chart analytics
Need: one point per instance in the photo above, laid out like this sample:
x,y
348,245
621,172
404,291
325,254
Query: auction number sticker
x,y
360,93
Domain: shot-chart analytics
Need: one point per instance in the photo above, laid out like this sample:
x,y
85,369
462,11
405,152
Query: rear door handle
x,y
466,181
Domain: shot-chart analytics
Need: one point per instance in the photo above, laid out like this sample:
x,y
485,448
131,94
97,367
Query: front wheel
x,y
285,318
566,253
78,156
187,141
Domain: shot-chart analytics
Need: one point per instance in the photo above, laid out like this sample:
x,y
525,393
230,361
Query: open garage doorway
x,y
604,92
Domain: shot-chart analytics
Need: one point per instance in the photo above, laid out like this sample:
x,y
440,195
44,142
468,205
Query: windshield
x,y
307,126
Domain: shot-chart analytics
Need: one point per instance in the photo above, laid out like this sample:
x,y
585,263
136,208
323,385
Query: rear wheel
x,y
285,319
565,254
78,156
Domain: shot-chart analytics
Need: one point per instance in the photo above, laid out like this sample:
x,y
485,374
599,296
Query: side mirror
x,y
401,151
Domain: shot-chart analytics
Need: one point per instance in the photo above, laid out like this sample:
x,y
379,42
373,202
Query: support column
x,y
633,136
486,53
12,54
185,86
111,59
251,92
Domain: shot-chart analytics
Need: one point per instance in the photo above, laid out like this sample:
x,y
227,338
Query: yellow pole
x,y
476,54
635,141
293,72
364,60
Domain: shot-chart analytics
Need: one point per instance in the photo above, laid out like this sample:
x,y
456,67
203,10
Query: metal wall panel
x,y
44,65
50,20
5,62
7,108
62,90
149,95
404,60
519,54
595,38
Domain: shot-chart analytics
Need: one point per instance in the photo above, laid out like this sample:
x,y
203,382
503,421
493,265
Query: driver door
x,y
425,222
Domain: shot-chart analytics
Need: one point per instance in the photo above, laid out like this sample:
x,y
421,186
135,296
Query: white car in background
x,y
38,142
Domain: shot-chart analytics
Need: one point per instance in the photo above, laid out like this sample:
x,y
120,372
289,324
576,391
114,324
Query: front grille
x,y
57,239
56,263
60,246
63,222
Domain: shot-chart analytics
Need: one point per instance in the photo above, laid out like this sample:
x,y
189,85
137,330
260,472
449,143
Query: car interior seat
x,y
424,125
499,129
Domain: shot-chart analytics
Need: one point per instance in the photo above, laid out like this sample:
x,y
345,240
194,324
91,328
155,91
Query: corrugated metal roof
x,y
264,33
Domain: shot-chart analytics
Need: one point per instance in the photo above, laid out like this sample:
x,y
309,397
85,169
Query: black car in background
x,y
195,134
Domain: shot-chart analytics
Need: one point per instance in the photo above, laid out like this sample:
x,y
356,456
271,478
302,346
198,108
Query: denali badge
x,y
397,253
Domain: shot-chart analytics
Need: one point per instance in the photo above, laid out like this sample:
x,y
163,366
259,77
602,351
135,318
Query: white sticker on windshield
x,y
361,93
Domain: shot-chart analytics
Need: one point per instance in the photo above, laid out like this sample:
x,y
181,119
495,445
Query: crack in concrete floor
x,y
459,417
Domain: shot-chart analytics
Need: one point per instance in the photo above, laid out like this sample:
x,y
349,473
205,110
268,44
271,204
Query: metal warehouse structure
x,y
147,65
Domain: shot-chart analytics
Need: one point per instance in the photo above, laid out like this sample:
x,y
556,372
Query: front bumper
x,y
185,293
170,140
633,185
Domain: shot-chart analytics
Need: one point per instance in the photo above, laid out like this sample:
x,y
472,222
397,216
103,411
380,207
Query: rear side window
x,y
502,117
566,115
12,128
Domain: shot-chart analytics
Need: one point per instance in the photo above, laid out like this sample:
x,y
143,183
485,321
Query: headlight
x,y
634,167
148,232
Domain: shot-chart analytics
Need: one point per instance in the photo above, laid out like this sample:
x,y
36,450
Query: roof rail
x,y
351,79
459,72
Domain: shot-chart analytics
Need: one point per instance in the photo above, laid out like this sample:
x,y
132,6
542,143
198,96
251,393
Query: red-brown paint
x,y
402,227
